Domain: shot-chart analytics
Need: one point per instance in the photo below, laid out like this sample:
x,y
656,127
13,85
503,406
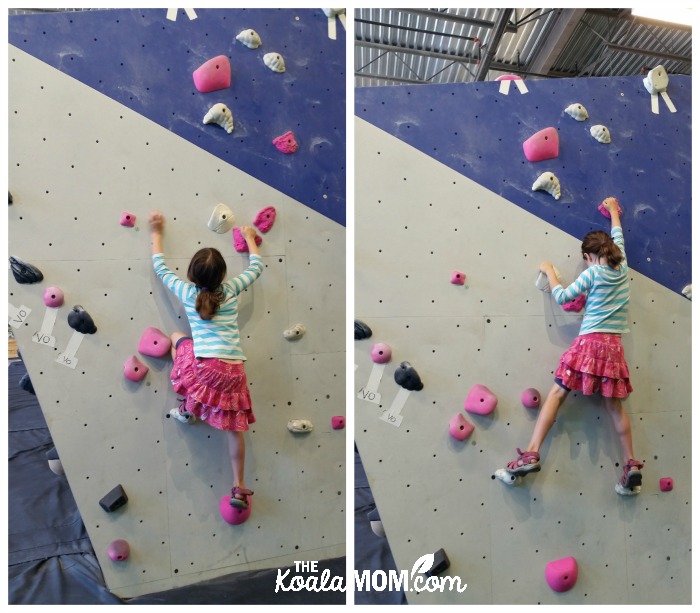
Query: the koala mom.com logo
x,y
420,580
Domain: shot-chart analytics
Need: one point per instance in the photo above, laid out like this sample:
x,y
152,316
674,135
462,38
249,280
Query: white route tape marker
x,y
172,14
393,414
668,102
655,104
17,315
191,14
331,27
67,358
520,84
44,336
504,87
369,392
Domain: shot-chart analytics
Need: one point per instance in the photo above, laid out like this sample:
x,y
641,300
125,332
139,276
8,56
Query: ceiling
x,y
417,46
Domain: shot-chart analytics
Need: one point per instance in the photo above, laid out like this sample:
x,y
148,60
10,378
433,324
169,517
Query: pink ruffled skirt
x,y
215,391
595,364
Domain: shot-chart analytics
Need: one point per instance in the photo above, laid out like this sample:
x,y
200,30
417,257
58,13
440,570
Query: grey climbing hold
x,y
79,319
115,499
440,563
24,272
407,377
362,330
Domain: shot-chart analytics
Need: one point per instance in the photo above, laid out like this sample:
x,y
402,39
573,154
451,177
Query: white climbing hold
x,y
222,219
577,111
250,38
656,80
295,333
601,134
548,182
220,114
688,291
299,425
542,282
274,61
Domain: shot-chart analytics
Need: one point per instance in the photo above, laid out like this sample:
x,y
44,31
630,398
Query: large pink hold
x,y
265,219
605,211
576,304
53,297
213,74
154,343
286,143
542,146
561,574
480,400
134,369
118,550
232,515
530,398
460,428
338,422
239,242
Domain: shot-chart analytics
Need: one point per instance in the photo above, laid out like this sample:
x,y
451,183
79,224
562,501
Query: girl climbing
x,y
208,366
595,361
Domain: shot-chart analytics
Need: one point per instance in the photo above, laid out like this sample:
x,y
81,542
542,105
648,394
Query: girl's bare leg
x,y
547,417
236,450
174,338
621,421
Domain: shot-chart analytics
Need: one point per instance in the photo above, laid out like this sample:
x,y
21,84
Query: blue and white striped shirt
x,y
608,294
218,337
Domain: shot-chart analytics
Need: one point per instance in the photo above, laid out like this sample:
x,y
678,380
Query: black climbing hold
x,y
26,384
9,193
79,319
25,272
115,499
362,330
440,563
407,377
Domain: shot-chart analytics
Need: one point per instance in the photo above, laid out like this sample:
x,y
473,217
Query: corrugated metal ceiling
x,y
395,46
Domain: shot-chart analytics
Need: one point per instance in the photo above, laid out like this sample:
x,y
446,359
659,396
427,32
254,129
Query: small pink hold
x,y
576,304
239,241
338,422
286,143
509,77
530,398
561,574
53,297
381,353
213,74
543,145
605,211
128,219
134,369
118,550
154,343
458,278
265,219
480,400
233,515
666,484
460,428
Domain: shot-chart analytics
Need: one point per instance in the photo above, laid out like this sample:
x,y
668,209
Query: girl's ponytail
x,y
207,271
602,245
208,303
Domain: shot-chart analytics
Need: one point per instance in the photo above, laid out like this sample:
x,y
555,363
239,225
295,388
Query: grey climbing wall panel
x,y
416,222
78,159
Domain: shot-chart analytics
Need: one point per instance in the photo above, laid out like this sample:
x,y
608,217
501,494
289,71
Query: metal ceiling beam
x,y
469,21
626,15
368,75
556,40
650,53
409,29
495,37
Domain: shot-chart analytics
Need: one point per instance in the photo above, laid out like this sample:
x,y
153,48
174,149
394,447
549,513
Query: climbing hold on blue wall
x,y
115,499
480,400
362,330
549,183
656,80
221,115
275,62
213,74
154,343
577,111
601,134
239,242
250,38
561,574
286,143
221,219
118,550
407,377
544,145
380,353
265,219
295,333
24,272
53,297
128,219
606,213
79,319
687,291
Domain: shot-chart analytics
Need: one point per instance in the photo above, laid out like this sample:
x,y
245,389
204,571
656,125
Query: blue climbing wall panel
x,y
145,62
479,132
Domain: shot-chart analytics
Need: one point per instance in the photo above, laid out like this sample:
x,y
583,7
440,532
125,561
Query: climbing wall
x,y
423,212
78,159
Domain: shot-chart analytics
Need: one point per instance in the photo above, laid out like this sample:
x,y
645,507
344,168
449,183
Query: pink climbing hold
x,y
480,400
154,343
460,428
128,219
509,77
118,550
286,143
666,484
542,146
338,422
213,74
232,515
381,353
576,304
265,219
561,574
134,369
239,242
605,211
530,398
53,297
458,278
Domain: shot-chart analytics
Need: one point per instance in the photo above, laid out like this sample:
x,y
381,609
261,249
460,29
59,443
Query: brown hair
x,y
601,244
207,271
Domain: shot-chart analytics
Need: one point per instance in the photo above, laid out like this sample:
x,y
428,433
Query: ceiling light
x,y
666,13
